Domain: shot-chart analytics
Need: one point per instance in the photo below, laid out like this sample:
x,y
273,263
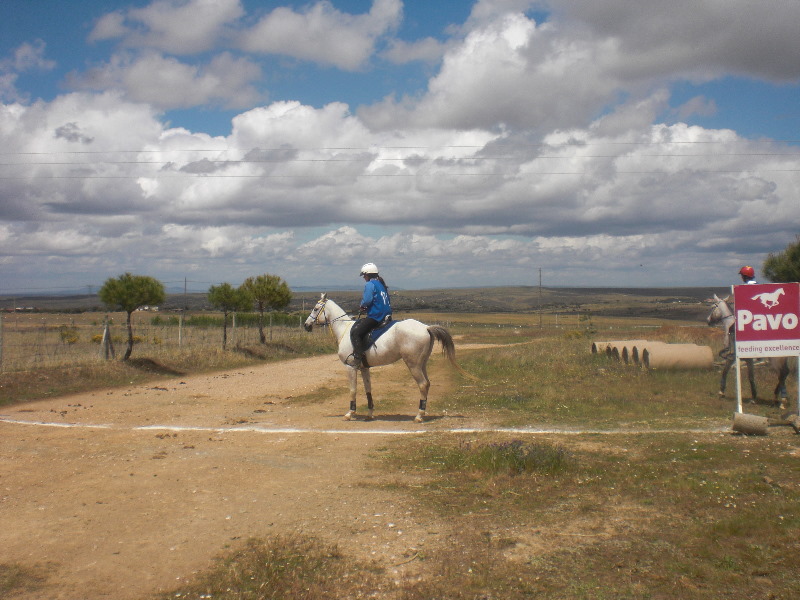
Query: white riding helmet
x,y
369,269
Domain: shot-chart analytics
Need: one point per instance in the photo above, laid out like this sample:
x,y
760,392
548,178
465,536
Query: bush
x,y
69,335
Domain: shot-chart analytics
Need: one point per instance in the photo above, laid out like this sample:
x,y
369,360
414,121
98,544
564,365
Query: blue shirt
x,y
376,300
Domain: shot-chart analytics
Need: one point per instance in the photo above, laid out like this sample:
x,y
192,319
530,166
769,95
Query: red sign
x,y
767,319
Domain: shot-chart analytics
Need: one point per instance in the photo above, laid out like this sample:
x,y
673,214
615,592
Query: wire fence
x,y
35,340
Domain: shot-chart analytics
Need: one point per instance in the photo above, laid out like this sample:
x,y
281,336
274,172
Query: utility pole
x,y
540,297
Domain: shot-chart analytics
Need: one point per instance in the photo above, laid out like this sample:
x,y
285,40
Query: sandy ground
x,y
126,492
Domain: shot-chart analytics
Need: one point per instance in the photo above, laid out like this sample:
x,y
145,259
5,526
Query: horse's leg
x,y
365,376
751,376
781,366
724,379
420,375
352,375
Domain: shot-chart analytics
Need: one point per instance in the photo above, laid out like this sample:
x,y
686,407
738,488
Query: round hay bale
x,y
678,356
750,424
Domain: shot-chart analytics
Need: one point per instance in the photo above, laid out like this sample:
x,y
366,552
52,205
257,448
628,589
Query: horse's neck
x,y
726,321
338,318
727,313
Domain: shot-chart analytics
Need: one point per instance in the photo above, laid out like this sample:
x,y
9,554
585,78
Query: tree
x,y
267,292
227,299
129,292
784,267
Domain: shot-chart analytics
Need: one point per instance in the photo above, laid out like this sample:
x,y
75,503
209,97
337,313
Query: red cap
x,y
747,271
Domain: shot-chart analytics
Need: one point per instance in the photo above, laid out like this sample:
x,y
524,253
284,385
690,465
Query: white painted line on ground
x,y
354,431
45,424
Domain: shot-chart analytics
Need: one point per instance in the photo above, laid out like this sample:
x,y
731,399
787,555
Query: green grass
x,y
557,380
17,579
633,517
296,567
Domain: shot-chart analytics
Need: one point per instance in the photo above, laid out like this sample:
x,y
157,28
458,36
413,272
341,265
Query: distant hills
x,y
670,303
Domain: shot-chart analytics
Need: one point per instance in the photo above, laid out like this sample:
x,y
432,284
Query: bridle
x,y
319,310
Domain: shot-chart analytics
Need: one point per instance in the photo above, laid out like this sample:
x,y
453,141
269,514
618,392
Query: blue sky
x,y
454,143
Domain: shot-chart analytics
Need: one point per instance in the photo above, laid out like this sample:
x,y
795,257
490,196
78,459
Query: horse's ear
x,y
716,298
323,296
728,297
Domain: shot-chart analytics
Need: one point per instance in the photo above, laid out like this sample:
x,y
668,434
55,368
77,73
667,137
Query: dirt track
x,y
125,492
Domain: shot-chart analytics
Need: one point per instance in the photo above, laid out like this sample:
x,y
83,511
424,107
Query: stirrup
x,y
353,361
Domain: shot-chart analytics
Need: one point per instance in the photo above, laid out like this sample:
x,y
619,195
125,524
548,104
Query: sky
x,y
452,143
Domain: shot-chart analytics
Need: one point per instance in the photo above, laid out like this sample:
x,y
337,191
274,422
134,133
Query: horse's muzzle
x,y
308,326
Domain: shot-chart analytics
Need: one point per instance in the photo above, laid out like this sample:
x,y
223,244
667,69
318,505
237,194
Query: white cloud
x,y
508,72
30,56
166,83
703,39
26,57
323,34
173,26
428,50
447,205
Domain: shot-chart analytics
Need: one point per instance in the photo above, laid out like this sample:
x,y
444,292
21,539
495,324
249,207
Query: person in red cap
x,y
748,275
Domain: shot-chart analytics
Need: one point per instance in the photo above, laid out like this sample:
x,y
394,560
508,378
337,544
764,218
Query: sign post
x,y
767,324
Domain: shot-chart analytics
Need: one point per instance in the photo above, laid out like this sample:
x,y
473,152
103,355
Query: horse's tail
x,y
441,335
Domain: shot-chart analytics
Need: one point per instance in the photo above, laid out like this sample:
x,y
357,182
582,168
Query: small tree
x,y
227,299
267,292
784,267
129,292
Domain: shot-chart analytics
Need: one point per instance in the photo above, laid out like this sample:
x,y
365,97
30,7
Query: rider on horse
x,y
375,302
748,274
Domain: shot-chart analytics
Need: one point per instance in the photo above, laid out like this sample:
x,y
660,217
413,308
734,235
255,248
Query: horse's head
x,y
317,315
719,311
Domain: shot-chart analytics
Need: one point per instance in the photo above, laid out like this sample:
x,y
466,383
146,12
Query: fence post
x,y
107,345
180,330
233,328
1,343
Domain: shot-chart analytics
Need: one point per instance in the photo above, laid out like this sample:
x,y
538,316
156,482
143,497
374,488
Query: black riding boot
x,y
358,332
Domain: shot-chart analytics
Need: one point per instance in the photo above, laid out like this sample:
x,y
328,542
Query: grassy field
x,y
646,493
656,499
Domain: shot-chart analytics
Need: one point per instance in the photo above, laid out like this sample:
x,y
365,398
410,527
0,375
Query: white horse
x,y
721,314
407,339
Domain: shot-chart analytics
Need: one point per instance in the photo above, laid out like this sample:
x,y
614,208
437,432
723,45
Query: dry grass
x,y
78,367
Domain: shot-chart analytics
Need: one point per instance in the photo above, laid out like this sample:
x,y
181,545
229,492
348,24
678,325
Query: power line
x,y
574,144
396,159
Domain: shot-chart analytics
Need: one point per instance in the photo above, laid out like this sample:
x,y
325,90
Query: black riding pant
x,y
359,331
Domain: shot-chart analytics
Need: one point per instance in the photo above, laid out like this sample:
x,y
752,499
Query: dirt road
x,y
121,493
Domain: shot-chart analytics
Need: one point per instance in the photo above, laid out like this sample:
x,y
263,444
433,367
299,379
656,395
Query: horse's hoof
x,y
369,416
349,416
721,394
420,418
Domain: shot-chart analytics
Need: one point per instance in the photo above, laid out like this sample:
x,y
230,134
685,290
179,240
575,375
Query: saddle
x,y
373,335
